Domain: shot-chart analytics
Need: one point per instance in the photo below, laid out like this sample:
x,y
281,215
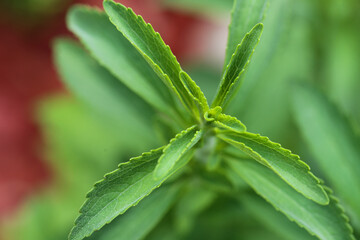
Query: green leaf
x,y
137,222
97,87
245,14
285,164
176,149
150,45
224,121
114,52
190,205
272,219
120,190
326,222
195,92
237,66
332,141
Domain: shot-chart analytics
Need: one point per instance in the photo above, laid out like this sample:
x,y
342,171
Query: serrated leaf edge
x,y
191,143
231,118
223,101
154,151
200,100
99,12
337,204
155,66
283,151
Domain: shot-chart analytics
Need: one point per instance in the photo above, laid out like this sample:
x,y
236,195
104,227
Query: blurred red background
x,y
27,75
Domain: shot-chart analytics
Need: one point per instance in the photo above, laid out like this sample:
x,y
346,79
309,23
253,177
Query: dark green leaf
x,y
137,222
118,191
287,165
326,222
237,66
332,141
150,45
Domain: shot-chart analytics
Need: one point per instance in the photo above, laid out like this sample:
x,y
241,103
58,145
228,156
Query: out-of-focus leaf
x,y
325,222
72,134
176,149
150,45
281,161
266,78
139,221
273,220
237,66
207,8
207,77
245,14
120,190
97,87
332,141
195,200
115,53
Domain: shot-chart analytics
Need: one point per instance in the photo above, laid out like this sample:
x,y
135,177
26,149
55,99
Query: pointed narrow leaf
x,y
287,165
150,45
112,50
147,214
177,147
195,92
245,14
332,141
237,66
326,222
120,190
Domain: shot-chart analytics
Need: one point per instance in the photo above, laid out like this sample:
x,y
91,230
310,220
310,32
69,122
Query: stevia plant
x,y
205,142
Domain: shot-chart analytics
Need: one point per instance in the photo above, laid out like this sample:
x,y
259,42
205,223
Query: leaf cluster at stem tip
x,y
123,44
